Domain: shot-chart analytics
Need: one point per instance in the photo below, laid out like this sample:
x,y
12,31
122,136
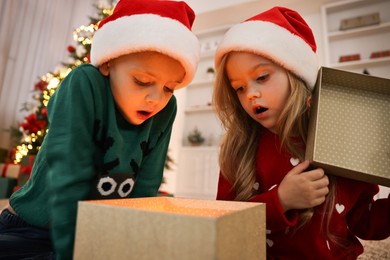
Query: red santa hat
x,y
279,34
148,25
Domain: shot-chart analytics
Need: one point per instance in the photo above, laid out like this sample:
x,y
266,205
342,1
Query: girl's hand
x,y
301,190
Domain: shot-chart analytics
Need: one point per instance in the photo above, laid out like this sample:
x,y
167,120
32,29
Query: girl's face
x,y
261,86
143,83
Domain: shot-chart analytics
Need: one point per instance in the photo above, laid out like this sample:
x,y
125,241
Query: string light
x,y
51,81
107,12
78,62
84,33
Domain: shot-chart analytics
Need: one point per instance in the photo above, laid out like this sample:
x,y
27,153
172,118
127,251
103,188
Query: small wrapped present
x,y
10,170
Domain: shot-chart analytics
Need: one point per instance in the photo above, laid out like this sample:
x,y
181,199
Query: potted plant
x,y
195,137
210,72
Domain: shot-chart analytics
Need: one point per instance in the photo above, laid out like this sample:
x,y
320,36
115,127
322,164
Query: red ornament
x,y
41,85
44,112
32,124
71,49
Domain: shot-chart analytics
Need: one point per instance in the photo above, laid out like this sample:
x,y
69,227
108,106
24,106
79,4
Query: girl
x,y
110,126
266,70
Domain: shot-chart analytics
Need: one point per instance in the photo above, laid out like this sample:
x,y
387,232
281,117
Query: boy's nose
x,y
155,95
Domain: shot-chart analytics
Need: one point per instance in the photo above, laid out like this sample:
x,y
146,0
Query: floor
x,y
3,203
376,250
373,250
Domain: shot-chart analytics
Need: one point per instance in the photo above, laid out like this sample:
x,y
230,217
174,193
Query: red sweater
x,y
356,214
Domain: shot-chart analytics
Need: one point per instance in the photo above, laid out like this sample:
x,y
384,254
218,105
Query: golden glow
x,y
64,73
78,62
21,151
107,11
47,77
53,83
174,205
83,33
86,41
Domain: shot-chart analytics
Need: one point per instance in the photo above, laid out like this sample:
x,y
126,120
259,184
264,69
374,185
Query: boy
x,y
110,125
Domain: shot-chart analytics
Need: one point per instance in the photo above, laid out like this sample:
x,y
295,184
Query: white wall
x,y
202,6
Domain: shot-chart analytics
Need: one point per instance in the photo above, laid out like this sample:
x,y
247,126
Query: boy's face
x,y
262,86
143,83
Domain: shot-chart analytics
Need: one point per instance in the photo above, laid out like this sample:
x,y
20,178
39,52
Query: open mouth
x,y
143,114
258,110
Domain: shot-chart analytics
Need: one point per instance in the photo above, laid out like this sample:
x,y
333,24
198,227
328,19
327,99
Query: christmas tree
x,y
34,127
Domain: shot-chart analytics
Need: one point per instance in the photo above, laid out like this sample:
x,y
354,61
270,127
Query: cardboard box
x,y
349,130
170,228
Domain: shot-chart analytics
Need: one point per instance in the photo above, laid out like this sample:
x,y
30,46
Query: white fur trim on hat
x,y
147,32
275,43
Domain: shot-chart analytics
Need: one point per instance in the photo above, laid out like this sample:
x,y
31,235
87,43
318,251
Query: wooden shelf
x,y
361,63
349,4
373,29
199,109
207,54
361,40
198,166
213,31
202,83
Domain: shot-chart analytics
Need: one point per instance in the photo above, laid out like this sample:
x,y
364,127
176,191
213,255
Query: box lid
x,y
349,130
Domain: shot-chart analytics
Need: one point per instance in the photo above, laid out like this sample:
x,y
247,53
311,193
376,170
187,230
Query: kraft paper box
x,y
349,130
10,170
170,228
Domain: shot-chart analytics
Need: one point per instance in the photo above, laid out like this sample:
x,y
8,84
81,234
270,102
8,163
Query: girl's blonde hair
x,y
237,159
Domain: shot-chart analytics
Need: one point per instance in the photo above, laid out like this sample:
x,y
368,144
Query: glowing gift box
x,y
170,228
349,130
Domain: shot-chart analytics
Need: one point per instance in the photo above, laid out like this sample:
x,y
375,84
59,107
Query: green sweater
x,y
89,139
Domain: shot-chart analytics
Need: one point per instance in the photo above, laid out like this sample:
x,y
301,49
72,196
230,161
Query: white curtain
x,y
34,35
